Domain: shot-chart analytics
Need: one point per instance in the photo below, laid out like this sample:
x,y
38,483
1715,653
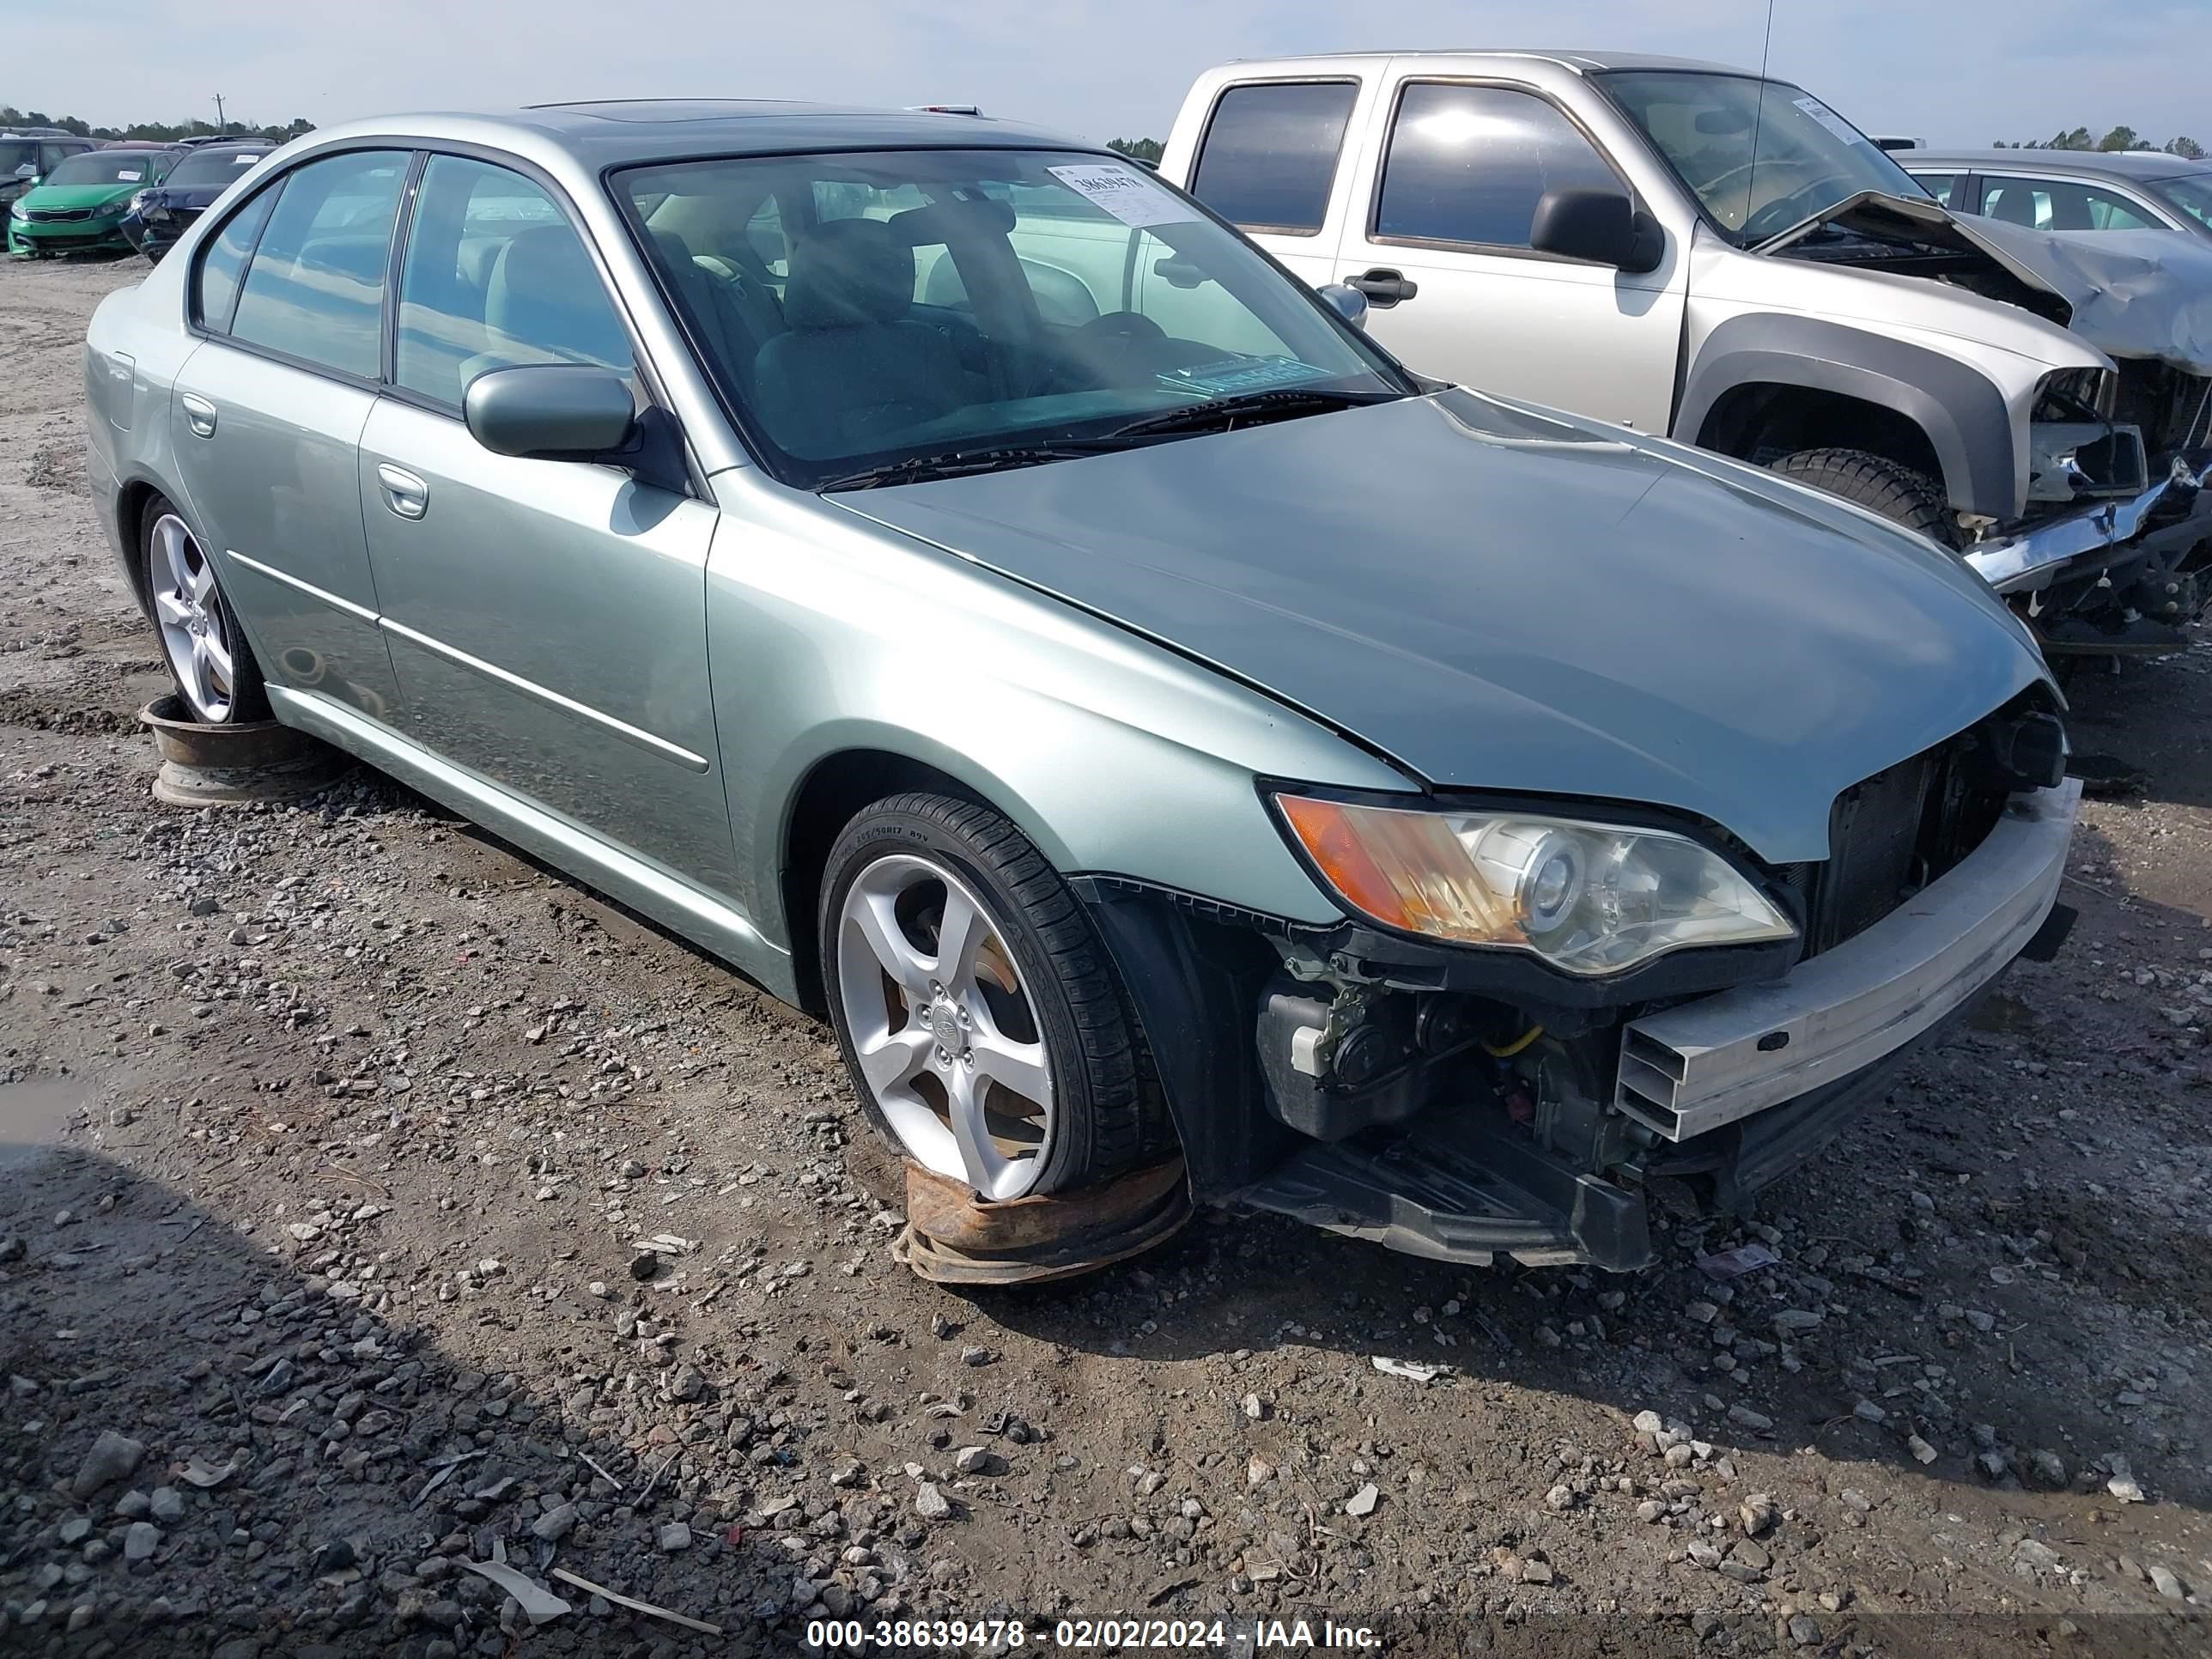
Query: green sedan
x,y
79,205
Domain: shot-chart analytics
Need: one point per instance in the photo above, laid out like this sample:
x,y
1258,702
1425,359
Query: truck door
x,y
1436,232
1269,154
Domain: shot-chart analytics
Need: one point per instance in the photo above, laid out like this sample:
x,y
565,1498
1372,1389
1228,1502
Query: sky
x,y
1962,72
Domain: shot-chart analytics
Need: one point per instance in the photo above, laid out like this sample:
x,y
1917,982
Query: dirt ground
x,y
329,1132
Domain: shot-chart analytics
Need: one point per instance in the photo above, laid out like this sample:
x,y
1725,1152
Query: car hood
x,y
1507,598
187,198
53,197
2139,294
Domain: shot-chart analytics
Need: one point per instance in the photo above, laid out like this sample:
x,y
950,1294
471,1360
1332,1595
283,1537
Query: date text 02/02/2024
x,y
1110,1634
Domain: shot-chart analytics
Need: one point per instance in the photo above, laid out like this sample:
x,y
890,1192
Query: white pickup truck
x,y
1695,253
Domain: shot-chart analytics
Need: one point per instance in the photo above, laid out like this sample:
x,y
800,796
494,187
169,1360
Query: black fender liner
x,y
1960,409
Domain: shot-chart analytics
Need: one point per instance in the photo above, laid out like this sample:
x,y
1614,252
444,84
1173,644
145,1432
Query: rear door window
x,y
314,289
1268,158
222,261
2061,205
1467,165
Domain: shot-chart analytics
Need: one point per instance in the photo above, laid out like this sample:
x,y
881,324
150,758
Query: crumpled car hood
x,y
2136,294
1503,598
2142,293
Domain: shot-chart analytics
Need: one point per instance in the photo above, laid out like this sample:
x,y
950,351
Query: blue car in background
x,y
160,214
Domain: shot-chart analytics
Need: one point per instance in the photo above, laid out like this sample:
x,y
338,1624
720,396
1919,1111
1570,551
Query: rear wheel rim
x,y
196,629
944,1029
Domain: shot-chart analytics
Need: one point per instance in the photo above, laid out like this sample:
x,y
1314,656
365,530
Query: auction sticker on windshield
x,y
1233,376
1828,119
1130,196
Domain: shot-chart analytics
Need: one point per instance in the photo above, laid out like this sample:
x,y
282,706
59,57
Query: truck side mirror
x,y
1601,226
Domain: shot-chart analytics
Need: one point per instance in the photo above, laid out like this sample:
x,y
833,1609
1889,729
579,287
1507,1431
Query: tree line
x,y
161,131
2119,138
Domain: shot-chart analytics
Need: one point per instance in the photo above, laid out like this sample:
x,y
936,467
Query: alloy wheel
x,y
944,1027
196,626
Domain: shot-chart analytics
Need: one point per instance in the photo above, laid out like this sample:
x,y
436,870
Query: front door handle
x,y
199,415
1383,287
404,493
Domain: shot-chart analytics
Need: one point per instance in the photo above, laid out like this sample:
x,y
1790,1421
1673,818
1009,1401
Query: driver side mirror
x,y
1346,301
1601,226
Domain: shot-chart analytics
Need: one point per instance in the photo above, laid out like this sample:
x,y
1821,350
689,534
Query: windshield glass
x,y
2192,194
15,154
1760,155
865,309
217,167
108,166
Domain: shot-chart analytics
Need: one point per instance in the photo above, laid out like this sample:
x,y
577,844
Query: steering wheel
x,y
1121,325
1784,211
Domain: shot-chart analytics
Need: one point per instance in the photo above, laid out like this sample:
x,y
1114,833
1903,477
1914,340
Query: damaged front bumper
x,y
1730,1089
2097,540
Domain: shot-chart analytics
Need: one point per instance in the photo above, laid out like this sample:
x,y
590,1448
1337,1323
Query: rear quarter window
x,y
1268,156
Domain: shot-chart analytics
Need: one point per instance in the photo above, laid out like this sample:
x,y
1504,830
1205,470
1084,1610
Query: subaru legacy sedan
x,y
942,570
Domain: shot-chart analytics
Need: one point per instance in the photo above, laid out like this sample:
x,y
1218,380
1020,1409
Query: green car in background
x,y
79,205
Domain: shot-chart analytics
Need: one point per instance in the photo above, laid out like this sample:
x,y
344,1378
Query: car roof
x,y
617,132
2079,163
1581,63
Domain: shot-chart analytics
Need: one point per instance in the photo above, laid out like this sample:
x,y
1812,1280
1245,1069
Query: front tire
x,y
1898,493
208,656
976,1009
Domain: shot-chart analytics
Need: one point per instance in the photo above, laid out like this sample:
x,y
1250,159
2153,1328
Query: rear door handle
x,y
404,493
199,415
1383,287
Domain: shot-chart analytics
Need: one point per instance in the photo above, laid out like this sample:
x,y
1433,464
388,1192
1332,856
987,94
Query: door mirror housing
x,y
1601,226
549,411
1346,301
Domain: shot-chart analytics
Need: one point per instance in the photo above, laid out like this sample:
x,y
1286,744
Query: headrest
x,y
545,267
846,273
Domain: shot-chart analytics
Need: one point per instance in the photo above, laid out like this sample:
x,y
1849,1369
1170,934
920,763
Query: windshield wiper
x,y
1282,403
958,463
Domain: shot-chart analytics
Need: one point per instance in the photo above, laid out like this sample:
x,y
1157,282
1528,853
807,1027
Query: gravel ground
x,y
330,1133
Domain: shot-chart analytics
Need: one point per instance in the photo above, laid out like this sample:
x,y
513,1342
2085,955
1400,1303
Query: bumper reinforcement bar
x,y
1707,1063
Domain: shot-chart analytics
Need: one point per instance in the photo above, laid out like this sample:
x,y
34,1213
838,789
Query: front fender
x,y
1964,414
828,633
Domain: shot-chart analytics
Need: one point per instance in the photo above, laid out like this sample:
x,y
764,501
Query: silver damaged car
x,y
943,570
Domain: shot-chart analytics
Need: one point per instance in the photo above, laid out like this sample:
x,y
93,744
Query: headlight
x,y
1590,898
137,202
17,210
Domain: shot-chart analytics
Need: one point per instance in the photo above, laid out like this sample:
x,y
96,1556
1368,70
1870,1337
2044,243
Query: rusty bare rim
x,y
944,1027
235,763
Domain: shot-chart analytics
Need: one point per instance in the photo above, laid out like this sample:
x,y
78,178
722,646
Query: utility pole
x,y
218,112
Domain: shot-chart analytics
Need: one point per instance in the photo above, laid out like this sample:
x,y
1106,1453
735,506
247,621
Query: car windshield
x,y
16,155
1760,155
107,167
2191,194
211,166
903,308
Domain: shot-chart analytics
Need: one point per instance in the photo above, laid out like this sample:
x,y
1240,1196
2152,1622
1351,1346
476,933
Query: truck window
x,y
1468,165
1269,154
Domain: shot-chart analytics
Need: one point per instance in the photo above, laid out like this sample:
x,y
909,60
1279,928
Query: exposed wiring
x,y
1516,1046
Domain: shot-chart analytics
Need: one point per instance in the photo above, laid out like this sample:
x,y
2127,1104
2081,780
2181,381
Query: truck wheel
x,y
1891,488
976,1009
